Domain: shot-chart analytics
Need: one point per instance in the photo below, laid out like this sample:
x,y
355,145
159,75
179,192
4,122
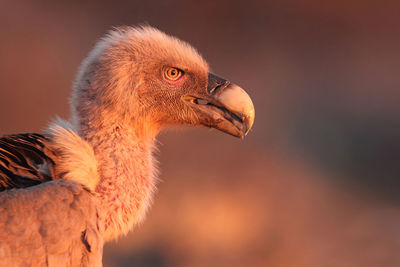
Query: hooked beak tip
x,y
237,101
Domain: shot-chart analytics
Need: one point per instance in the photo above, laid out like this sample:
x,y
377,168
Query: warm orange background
x,y
316,183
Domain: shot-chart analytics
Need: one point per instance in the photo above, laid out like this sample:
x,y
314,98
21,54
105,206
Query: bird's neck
x,y
127,176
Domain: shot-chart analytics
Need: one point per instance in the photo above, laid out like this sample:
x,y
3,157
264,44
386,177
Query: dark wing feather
x,y
25,160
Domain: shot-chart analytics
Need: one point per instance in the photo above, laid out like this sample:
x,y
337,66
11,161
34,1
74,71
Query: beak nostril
x,y
215,84
215,89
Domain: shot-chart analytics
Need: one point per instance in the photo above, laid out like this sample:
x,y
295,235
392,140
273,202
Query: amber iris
x,y
173,74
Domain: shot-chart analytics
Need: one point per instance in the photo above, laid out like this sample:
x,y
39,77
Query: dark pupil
x,y
173,72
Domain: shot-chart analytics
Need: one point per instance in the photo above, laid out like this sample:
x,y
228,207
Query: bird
x,y
90,179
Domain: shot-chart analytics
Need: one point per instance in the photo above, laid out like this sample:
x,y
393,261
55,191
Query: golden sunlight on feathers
x,y
120,102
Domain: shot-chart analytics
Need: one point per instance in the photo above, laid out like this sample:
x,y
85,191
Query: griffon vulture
x,y
87,181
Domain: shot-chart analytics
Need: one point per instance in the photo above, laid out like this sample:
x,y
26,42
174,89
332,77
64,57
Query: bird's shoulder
x,y
65,225
25,160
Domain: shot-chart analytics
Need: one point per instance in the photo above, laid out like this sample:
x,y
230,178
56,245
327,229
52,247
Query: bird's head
x,y
143,76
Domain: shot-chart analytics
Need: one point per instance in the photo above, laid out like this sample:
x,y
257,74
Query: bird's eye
x,y
173,74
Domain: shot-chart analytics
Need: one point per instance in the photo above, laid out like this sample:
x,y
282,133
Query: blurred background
x,y
315,183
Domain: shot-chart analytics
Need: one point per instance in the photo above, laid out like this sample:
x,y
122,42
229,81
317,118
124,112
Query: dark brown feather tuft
x,y
25,161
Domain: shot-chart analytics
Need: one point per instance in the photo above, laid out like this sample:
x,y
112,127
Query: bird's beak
x,y
225,106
